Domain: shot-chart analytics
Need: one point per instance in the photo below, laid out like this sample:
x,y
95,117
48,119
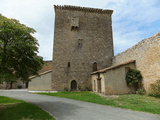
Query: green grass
x,y
135,102
12,109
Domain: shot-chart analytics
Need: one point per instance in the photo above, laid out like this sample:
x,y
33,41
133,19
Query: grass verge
x,y
132,101
12,109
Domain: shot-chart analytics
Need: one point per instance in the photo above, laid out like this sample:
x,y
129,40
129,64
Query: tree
x,y
18,51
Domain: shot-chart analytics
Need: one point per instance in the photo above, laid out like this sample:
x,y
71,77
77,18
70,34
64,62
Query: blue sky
x,y
133,20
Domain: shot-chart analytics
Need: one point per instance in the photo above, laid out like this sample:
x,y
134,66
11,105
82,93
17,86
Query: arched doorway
x,y
73,85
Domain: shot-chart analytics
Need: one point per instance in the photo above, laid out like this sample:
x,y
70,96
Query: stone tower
x,y
83,43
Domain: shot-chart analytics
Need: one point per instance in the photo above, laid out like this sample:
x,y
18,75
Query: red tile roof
x,y
46,69
40,74
112,67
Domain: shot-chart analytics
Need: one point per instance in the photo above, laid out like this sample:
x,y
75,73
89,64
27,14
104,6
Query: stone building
x,y
18,85
36,81
144,56
111,80
147,56
83,55
82,44
43,81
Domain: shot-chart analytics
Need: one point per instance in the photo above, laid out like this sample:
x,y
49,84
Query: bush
x,y
19,86
141,91
87,89
65,89
134,78
155,89
79,87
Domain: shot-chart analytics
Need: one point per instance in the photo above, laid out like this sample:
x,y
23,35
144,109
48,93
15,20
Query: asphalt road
x,y
66,109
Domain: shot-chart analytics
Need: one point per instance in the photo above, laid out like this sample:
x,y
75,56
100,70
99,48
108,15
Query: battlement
x,y
86,9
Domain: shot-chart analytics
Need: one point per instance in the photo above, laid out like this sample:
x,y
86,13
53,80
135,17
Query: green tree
x,y
18,51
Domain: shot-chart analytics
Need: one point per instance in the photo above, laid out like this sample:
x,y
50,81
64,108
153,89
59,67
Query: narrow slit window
x,y
94,66
80,42
69,64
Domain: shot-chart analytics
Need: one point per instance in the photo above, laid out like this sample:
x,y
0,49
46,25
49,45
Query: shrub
x,y
141,91
19,86
79,87
65,89
134,78
155,89
87,89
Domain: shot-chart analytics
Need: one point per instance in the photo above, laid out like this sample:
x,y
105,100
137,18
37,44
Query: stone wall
x,y
82,36
115,82
147,56
112,79
19,84
42,82
47,66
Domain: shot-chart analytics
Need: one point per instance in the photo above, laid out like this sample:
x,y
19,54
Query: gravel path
x,y
66,109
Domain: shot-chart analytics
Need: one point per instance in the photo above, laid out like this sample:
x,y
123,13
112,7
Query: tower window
x,y
94,66
80,42
69,64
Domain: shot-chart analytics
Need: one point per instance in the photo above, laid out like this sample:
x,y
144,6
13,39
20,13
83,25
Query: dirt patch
x,y
2,106
108,96
119,103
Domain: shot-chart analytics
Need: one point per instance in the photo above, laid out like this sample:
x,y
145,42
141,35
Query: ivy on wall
x,y
134,78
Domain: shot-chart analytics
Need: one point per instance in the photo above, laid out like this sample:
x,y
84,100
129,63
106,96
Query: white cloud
x,y
38,14
133,21
46,45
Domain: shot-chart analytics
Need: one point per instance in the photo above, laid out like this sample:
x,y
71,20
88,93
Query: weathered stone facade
x,y
147,56
18,84
43,81
82,42
36,82
111,80
47,67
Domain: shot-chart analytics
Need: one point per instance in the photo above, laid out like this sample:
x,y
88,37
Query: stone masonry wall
x,y
47,66
77,47
42,82
147,56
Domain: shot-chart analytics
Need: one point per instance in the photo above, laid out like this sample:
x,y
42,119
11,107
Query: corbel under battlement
x,y
86,9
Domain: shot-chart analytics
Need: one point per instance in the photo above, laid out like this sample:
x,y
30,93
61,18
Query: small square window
x,y
79,42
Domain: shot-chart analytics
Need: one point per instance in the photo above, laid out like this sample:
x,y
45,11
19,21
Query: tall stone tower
x,y
82,44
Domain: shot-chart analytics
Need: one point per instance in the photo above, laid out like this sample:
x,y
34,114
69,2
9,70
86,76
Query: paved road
x,y
66,109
